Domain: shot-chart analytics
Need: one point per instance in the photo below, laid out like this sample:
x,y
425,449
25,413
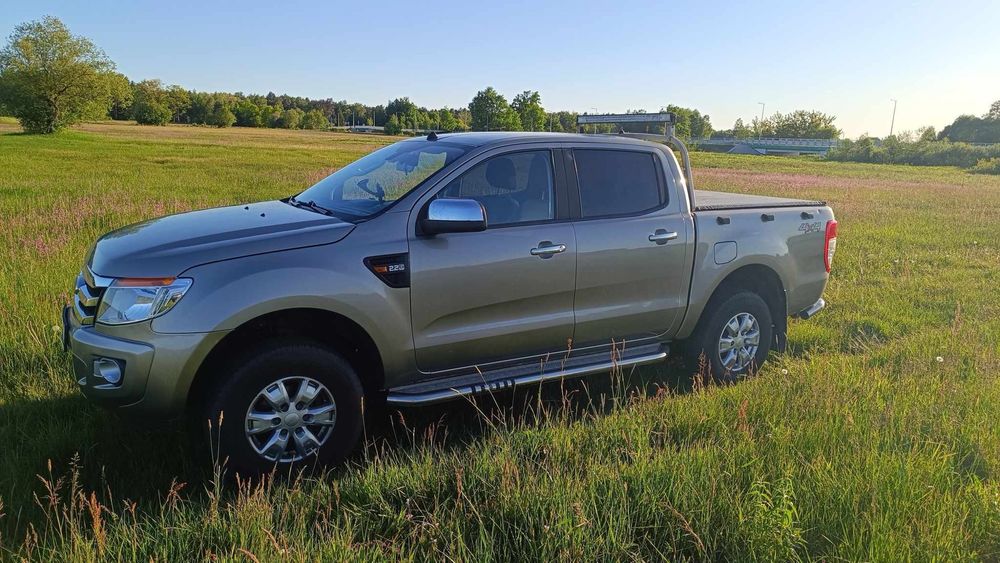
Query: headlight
x,y
130,300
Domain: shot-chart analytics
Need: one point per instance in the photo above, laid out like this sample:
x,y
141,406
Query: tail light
x,y
830,245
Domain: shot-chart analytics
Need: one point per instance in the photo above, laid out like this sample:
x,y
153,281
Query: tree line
x,y
50,79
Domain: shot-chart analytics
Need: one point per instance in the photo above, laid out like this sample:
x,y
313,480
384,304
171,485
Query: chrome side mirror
x,y
453,216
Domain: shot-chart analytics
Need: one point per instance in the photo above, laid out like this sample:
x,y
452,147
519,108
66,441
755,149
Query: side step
x,y
445,389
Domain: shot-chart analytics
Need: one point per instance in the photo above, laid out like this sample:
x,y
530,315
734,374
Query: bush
x,y
919,153
986,166
148,112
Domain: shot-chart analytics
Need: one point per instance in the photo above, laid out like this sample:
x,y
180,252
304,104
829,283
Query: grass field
x,y
875,437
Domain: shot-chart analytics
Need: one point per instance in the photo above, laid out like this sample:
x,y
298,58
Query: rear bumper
x,y
156,369
811,310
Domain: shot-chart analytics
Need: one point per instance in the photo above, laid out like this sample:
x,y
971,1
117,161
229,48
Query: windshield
x,y
371,184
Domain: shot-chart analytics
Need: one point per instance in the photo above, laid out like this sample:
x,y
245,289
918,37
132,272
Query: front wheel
x,y
734,337
287,405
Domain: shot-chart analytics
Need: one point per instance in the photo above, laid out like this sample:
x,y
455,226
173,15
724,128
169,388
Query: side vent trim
x,y
392,269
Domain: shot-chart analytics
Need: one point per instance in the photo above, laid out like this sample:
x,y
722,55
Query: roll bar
x,y
668,119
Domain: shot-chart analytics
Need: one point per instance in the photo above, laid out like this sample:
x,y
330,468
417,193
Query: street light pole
x,y
760,124
892,124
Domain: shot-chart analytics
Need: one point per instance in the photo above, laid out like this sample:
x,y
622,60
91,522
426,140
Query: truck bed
x,y
714,201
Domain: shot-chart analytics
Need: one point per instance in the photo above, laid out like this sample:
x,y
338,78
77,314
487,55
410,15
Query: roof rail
x,y
668,119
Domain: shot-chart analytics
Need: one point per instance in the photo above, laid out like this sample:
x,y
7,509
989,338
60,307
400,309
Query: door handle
x,y
661,236
546,249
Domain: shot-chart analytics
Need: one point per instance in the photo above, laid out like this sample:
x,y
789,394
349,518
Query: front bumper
x,y
156,369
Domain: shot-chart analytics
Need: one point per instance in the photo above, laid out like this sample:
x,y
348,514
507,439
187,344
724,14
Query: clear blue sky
x,y
848,58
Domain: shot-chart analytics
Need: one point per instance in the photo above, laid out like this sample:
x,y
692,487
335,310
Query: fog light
x,y
109,370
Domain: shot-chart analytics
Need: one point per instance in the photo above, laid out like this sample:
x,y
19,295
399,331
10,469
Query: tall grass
x,y
873,438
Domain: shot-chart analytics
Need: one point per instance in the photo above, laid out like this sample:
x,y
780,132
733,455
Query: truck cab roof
x,y
487,138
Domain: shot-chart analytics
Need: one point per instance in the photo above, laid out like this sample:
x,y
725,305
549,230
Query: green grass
x,y
874,437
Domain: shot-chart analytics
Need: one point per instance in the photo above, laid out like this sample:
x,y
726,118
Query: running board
x,y
400,398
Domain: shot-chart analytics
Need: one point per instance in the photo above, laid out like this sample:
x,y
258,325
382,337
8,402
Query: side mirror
x,y
453,216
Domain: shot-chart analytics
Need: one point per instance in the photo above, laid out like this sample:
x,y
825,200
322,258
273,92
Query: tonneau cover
x,y
712,201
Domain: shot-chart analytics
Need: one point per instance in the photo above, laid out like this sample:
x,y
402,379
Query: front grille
x,y
87,296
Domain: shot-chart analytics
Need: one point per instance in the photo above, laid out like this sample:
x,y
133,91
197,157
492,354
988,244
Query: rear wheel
x,y
734,337
287,405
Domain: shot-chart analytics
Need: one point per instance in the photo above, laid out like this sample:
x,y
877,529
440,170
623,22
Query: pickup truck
x,y
432,269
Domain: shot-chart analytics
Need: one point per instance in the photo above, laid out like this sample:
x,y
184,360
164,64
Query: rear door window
x,y
617,182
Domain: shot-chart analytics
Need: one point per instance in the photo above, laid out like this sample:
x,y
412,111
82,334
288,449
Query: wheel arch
x,y
762,280
325,327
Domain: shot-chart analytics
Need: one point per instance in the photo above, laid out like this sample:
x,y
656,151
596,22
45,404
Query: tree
x,y
248,114
799,124
927,133
392,125
528,105
314,119
291,118
994,112
741,131
491,112
270,116
221,115
50,78
403,108
149,103
972,129
178,100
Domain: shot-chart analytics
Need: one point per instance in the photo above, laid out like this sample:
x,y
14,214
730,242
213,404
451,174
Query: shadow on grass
x,y
125,461
466,420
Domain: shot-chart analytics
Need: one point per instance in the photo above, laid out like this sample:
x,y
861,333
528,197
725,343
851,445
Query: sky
x,y
845,57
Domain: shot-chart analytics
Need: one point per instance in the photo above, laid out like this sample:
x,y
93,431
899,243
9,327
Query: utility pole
x,y
892,124
760,124
595,126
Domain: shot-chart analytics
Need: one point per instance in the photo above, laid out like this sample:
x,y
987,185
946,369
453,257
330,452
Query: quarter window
x,y
616,182
513,188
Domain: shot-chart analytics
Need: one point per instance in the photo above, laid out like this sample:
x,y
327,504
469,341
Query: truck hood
x,y
167,246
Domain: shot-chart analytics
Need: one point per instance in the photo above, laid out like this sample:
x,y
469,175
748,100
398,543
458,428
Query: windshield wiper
x,y
310,205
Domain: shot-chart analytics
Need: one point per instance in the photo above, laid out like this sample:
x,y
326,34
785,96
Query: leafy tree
x,y
392,126
270,116
799,124
741,131
248,114
401,107
972,129
291,118
927,133
50,78
314,119
178,100
528,105
490,111
221,115
994,112
690,124
508,120
149,103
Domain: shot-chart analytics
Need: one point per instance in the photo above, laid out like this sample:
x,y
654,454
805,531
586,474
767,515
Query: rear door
x,y
633,263
506,292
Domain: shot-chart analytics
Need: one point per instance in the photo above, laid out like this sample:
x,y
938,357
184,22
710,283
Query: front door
x,y
632,263
503,293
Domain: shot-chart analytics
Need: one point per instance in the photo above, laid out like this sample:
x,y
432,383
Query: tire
x,y
749,313
249,441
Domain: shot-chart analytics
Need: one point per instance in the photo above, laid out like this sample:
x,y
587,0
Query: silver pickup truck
x,y
433,269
